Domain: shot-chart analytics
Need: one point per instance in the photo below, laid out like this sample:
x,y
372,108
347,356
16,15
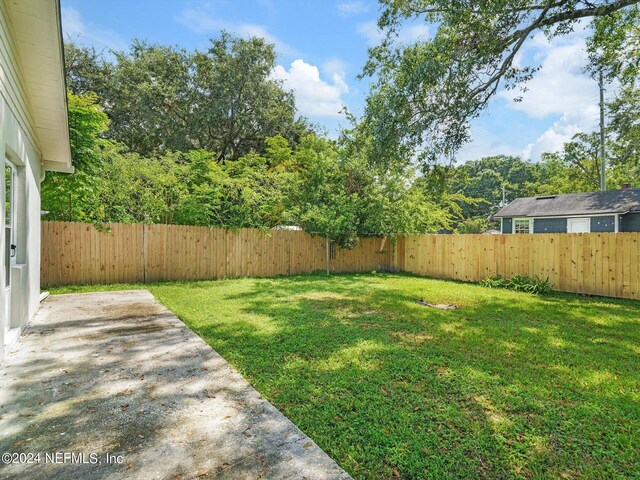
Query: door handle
x,y
13,250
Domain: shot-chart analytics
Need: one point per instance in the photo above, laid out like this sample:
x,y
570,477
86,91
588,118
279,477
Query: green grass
x,y
510,385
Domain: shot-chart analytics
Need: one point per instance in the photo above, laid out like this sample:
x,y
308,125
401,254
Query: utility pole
x,y
603,185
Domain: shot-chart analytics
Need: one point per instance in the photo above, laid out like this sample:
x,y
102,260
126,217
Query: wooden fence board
x,y
597,263
78,253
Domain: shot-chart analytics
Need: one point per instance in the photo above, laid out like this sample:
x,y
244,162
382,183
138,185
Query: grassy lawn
x,y
509,385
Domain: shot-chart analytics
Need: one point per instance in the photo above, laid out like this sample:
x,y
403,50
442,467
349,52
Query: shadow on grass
x,y
509,385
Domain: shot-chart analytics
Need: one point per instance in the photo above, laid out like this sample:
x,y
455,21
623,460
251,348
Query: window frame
x,y
9,217
520,220
9,194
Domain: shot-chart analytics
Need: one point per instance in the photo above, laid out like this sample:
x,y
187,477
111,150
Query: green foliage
x,y
313,184
624,131
494,281
161,98
519,283
473,225
86,122
486,178
209,138
613,48
424,93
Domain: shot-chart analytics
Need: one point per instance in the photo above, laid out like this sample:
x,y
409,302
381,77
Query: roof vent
x,y
546,197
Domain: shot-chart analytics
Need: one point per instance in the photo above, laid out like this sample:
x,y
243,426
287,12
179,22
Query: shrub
x,y
519,283
538,285
494,281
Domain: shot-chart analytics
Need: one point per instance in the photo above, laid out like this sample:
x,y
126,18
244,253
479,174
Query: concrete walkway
x,y
117,373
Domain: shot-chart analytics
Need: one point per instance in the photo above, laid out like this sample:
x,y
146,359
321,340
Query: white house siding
x,y
18,137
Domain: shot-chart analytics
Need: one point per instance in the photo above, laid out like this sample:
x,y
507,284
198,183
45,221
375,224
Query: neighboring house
x,y
35,137
611,211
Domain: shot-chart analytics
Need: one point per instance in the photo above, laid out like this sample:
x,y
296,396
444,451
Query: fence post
x,y
144,253
327,254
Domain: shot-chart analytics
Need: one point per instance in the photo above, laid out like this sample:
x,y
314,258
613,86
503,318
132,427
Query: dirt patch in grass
x,y
441,306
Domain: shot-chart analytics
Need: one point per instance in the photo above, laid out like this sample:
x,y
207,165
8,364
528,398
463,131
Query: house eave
x,y
58,167
565,215
37,32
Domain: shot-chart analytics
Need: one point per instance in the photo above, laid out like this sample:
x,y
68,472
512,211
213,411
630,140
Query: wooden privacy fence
x,y
77,253
592,263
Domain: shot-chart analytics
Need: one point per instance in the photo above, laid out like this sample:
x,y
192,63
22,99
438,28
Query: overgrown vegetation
x,y
509,385
209,137
519,283
161,135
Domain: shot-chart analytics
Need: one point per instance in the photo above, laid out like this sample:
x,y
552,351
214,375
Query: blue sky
x,y
322,46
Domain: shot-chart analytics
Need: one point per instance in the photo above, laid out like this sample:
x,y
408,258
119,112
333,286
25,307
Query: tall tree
x,y
162,98
486,178
425,93
614,47
65,196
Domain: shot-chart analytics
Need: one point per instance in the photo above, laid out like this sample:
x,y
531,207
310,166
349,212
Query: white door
x,y
578,225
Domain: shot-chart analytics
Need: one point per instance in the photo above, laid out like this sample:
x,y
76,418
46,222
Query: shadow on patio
x,y
117,373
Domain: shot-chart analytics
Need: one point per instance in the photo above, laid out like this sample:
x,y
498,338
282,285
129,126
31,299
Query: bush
x,y
494,281
519,283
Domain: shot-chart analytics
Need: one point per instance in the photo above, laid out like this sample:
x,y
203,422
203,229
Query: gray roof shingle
x,y
612,201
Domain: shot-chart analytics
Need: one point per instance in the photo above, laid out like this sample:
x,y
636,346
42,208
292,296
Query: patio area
x,y
113,385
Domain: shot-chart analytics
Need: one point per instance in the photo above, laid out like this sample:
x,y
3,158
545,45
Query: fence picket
x,y
76,253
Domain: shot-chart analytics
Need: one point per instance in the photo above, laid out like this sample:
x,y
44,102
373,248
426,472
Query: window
x,y
522,225
8,180
8,219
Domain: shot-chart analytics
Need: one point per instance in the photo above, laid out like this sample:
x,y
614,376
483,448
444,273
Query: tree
x,y
149,96
238,101
486,178
574,169
161,98
614,47
86,71
624,125
473,225
426,92
60,191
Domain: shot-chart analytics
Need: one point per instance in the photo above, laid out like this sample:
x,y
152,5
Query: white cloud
x,y
72,22
314,96
74,28
407,34
352,7
203,21
335,65
559,88
584,119
370,31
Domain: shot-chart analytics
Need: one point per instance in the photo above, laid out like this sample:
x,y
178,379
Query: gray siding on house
x,y
630,222
550,225
507,225
603,224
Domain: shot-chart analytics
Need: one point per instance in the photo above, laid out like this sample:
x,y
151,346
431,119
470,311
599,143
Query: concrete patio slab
x,y
113,385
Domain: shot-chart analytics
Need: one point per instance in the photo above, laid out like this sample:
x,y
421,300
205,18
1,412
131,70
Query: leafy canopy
x,y
425,93
162,98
